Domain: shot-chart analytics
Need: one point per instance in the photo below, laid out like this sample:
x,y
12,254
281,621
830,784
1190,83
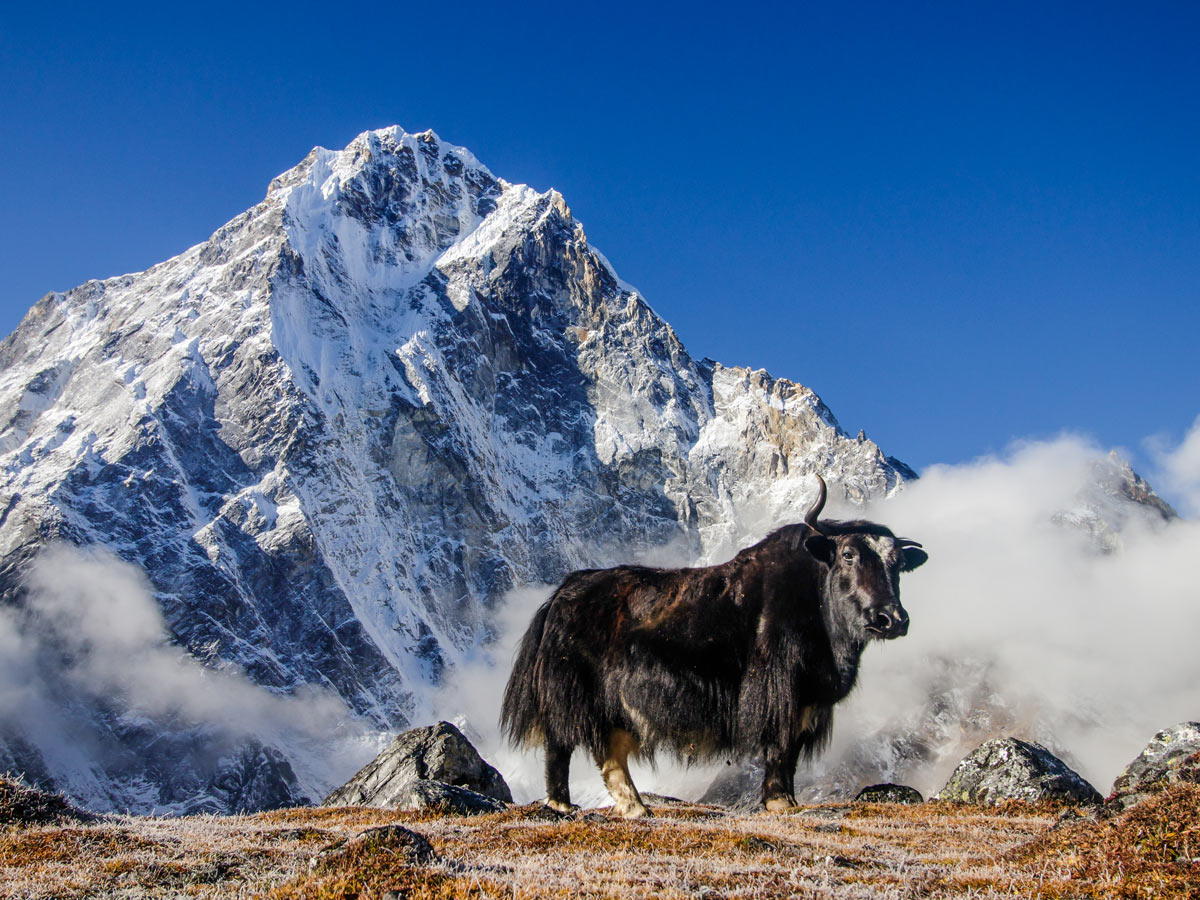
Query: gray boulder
x,y
1173,756
426,768
889,793
1011,769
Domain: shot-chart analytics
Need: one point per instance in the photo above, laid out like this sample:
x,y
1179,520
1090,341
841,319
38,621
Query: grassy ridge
x,y
686,850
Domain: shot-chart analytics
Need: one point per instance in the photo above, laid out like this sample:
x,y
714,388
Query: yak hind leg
x,y
558,767
779,778
615,769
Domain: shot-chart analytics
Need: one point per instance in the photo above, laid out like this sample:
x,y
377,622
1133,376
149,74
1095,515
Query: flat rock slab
x,y
889,793
400,776
1172,757
1012,769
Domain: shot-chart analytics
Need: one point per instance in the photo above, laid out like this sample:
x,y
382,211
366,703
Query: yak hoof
x,y
779,804
560,807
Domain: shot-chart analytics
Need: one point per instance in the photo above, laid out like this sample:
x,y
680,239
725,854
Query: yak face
x,y
862,587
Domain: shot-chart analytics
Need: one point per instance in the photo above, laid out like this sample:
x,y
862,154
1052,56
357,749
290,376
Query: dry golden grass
x,y
935,850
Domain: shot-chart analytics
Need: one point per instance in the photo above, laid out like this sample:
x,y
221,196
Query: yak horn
x,y
908,542
810,517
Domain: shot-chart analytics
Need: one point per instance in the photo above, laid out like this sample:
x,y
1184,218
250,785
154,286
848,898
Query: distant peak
x,y
422,154
393,137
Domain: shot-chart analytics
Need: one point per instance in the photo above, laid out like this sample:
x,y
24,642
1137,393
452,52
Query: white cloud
x,y
1179,469
90,632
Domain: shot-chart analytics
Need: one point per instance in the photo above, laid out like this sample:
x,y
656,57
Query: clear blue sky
x,y
960,223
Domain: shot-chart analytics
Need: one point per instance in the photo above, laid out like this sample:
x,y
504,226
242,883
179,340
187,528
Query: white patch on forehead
x,y
884,546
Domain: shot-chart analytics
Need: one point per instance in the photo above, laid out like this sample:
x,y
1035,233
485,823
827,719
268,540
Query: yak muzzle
x,y
889,624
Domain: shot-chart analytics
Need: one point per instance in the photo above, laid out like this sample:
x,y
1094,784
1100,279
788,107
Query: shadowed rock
x,y
426,768
1012,769
1173,756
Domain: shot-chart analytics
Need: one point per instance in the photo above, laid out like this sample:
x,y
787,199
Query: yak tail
x,y
520,715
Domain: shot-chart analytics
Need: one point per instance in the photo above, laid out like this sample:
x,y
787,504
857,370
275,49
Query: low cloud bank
x,y
91,637
1021,625
1178,469
1090,652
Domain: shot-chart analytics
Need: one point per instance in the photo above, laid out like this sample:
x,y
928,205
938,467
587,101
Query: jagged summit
x,y
339,430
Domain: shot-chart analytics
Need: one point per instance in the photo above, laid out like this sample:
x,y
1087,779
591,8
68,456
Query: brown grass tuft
x,y
23,805
1151,850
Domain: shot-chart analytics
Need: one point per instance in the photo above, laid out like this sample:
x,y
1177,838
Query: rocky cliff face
x,y
338,431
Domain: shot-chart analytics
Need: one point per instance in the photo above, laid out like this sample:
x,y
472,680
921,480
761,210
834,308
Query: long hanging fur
x,y
520,712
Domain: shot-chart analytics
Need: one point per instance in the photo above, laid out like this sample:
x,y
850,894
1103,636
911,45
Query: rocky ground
x,y
876,850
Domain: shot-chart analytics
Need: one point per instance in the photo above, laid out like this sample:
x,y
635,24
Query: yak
x,y
742,659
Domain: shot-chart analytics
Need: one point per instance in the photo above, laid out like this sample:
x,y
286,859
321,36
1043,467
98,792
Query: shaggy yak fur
x,y
743,659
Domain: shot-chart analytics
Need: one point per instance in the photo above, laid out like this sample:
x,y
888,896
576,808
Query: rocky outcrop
x,y
427,768
1012,769
253,779
889,793
1172,757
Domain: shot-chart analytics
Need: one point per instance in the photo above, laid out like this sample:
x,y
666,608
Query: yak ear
x,y
822,547
913,557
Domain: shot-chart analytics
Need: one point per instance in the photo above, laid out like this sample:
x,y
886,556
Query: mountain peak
x,y
338,432
423,154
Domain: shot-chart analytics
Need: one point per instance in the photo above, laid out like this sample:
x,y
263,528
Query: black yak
x,y
743,659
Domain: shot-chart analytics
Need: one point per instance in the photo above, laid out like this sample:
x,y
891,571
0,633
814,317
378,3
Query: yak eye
x,y
848,555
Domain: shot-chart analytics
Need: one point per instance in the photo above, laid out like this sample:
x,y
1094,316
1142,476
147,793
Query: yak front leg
x,y
779,777
558,768
615,769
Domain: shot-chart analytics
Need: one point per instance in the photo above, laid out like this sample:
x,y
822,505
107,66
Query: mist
x,y
1086,646
1025,622
90,635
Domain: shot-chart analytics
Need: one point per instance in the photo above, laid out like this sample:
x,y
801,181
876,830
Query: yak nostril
x,y
893,623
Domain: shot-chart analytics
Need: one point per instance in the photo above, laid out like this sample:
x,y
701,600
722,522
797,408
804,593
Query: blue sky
x,y
960,224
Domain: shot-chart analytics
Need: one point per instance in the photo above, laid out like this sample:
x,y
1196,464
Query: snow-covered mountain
x,y
334,434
